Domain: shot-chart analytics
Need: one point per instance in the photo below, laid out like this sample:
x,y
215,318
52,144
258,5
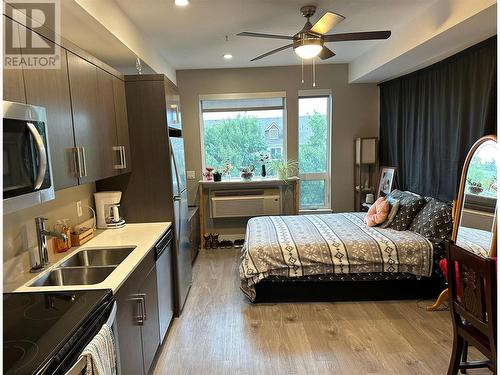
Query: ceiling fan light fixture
x,y
308,50
181,3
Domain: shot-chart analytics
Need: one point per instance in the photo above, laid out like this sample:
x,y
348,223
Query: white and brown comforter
x,y
295,246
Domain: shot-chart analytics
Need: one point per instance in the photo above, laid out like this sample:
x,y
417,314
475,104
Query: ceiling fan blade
x,y
327,22
271,52
364,35
260,35
326,53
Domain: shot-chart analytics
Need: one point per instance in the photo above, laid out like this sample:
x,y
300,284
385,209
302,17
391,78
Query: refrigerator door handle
x,y
176,170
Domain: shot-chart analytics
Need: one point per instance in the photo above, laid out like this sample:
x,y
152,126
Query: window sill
x,y
312,211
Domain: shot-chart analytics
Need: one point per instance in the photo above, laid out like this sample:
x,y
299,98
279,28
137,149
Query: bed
x,y
338,256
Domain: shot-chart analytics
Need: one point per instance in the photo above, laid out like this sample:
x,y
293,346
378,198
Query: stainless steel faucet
x,y
41,234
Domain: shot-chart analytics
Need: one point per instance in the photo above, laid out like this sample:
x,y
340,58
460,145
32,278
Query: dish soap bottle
x,y
63,227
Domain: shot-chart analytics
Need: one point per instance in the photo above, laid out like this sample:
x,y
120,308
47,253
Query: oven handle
x,y
42,155
112,315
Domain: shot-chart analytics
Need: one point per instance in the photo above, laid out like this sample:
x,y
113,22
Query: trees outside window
x,y
239,135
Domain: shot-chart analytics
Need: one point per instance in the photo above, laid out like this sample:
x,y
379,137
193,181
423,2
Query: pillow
x,y
394,207
377,213
433,221
409,206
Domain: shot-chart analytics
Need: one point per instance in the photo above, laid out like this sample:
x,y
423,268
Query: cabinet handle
x,y
120,162
76,155
83,171
140,318
124,158
142,296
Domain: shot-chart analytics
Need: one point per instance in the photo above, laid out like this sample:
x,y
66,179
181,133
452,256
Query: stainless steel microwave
x,y
27,176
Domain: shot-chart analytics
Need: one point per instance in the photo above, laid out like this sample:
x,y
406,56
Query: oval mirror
x,y
475,219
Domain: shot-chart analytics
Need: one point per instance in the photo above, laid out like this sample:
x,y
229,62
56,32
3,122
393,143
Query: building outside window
x,y
315,150
240,127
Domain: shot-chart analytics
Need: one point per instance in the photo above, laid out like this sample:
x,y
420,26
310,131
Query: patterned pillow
x,y
433,221
394,207
409,206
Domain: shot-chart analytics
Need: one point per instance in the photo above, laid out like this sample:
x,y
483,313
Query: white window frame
x,y
254,95
327,176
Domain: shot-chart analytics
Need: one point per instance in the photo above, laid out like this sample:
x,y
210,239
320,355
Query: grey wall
x,y
355,113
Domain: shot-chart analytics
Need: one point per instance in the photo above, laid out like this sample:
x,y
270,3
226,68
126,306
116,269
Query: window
x,y
273,132
239,128
275,153
314,151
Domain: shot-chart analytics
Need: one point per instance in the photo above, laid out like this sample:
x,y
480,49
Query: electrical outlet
x,y
79,211
191,175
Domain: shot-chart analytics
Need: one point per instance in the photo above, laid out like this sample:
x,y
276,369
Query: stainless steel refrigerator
x,y
182,256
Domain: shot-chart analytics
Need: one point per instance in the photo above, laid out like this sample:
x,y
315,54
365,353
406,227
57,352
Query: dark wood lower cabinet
x,y
137,319
150,330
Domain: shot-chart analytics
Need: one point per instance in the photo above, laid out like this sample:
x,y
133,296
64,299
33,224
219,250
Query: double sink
x,y
86,267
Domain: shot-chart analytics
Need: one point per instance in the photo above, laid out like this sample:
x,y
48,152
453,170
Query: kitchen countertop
x,y
141,235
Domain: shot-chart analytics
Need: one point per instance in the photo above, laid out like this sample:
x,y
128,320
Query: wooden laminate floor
x,y
220,332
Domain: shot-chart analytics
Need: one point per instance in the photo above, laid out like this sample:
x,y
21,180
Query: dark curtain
x,y
429,119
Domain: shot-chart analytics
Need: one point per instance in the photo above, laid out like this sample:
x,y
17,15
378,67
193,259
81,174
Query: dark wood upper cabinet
x,y
49,88
122,123
93,118
83,87
106,125
13,81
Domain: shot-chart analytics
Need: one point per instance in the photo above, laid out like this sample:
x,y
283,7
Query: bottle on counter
x,y
63,227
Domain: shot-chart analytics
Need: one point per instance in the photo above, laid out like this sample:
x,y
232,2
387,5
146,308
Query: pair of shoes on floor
x,y
226,244
211,240
239,243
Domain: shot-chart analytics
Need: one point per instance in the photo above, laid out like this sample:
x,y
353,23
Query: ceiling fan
x,y
310,41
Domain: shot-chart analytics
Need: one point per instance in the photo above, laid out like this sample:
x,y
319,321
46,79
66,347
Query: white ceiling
x,y
194,36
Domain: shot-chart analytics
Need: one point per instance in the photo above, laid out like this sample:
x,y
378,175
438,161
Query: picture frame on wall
x,y
387,181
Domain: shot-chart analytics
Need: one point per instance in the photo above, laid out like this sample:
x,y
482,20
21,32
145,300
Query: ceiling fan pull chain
x,y
302,67
314,73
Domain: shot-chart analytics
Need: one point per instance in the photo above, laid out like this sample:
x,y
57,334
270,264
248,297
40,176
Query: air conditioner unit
x,y
245,203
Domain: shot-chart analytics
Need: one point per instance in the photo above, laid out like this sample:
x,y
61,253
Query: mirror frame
x,y
460,200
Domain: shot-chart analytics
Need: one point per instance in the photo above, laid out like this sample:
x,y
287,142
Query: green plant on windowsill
x,y
285,169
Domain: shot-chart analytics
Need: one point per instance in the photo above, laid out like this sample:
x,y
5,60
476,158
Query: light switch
x,y
191,175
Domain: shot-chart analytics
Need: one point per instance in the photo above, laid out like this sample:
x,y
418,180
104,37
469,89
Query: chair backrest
x,y
478,290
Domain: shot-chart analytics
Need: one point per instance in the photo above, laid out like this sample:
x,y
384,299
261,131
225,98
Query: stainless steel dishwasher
x,y
164,279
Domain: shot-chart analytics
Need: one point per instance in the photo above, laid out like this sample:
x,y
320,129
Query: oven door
x,y
26,158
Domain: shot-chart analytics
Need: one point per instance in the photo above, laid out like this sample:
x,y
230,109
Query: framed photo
x,y
387,181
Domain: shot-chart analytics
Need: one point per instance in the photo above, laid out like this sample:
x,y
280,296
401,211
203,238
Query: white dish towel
x,y
100,353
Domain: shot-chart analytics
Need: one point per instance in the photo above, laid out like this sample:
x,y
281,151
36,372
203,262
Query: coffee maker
x,y
107,205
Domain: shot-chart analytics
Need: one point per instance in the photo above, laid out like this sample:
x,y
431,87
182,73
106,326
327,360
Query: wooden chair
x,y
473,306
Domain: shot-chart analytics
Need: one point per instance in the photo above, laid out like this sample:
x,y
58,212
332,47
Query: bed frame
x,y
330,291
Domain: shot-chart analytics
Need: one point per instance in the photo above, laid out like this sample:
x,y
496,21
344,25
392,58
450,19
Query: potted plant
x,y
217,175
209,173
227,168
286,169
247,172
475,187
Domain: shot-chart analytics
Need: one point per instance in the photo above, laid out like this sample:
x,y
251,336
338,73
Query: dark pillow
x,y
433,221
409,206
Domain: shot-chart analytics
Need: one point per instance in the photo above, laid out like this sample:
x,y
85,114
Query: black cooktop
x,y
36,326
